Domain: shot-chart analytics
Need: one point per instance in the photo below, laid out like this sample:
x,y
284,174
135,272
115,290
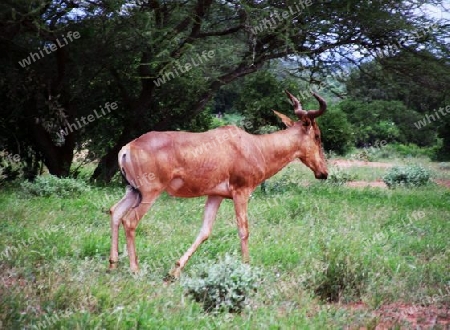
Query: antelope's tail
x,y
127,169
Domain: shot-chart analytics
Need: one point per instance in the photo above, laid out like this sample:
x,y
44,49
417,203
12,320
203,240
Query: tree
x,y
337,132
403,88
391,121
258,95
127,48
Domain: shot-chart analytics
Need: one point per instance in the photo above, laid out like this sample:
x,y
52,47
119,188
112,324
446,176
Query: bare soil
x,y
359,163
442,182
343,163
364,184
399,315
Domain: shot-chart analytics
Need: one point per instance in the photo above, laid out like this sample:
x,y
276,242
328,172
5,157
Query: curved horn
x,y
323,107
297,106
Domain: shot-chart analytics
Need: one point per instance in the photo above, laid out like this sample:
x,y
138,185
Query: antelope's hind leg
x,y
130,199
130,221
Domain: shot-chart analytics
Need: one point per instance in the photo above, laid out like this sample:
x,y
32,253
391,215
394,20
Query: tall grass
x,y
319,247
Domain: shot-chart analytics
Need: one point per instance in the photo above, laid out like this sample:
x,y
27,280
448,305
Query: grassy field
x,y
331,257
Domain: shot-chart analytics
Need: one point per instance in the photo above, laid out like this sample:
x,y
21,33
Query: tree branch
x,y
220,33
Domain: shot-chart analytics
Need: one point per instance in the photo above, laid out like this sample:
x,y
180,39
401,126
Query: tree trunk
x,y
57,158
107,166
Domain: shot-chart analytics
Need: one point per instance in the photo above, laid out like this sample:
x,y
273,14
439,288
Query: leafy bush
x,y
217,122
337,132
280,185
409,176
257,94
341,275
410,150
337,176
49,185
223,286
391,121
443,148
266,129
9,169
362,155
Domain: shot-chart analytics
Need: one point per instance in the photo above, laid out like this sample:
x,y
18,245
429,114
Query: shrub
x,y
386,120
409,176
9,170
337,132
266,129
341,276
410,150
362,155
49,185
280,185
337,176
223,286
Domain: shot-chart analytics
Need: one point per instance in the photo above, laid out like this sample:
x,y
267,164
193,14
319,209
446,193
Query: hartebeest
x,y
225,162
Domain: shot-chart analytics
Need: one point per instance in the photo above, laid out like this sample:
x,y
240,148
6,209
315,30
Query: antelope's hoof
x,y
172,276
113,264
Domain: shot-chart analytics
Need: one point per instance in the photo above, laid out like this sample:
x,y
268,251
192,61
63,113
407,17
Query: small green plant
x,y
408,176
266,129
49,185
365,156
282,185
223,286
340,276
338,176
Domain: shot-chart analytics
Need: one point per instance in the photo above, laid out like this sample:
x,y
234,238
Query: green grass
x,y
316,245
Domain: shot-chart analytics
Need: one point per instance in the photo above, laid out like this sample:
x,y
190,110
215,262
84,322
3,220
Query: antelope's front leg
x,y
240,206
211,207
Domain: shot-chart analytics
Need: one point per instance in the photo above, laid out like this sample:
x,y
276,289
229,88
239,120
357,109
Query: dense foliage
x,y
223,286
167,65
338,134
406,176
50,185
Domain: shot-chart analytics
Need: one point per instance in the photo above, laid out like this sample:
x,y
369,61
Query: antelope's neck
x,y
278,149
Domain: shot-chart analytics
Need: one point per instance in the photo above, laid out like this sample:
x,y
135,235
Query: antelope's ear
x,y
285,119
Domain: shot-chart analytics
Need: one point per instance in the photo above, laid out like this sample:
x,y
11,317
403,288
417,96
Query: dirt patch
x,y
9,278
423,317
442,182
364,184
359,163
412,317
381,184
404,316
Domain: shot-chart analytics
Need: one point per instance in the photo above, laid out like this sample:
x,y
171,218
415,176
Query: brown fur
x,y
226,162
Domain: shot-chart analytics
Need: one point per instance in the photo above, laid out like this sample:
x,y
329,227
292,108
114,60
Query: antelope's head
x,y
310,150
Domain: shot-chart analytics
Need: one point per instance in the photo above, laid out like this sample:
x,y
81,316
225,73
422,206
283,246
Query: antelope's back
x,y
194,164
